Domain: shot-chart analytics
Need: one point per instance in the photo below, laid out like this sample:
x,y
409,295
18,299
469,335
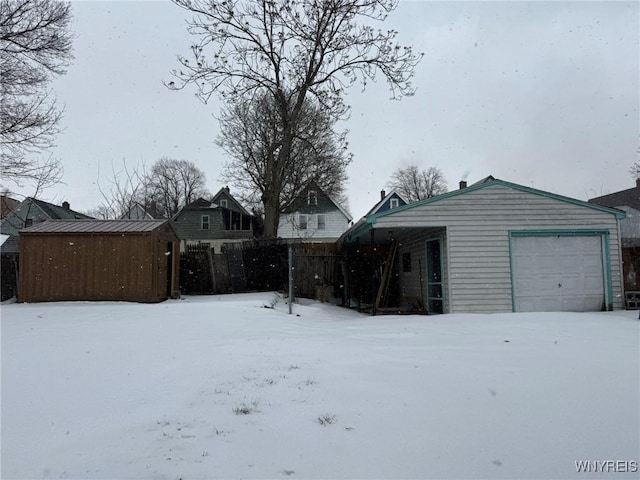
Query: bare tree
x,y
292,50
35,47
164,189
251,135
172,184
415,184
635,170
125,187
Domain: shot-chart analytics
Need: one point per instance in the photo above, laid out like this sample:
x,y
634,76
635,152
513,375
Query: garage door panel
x,y
558,273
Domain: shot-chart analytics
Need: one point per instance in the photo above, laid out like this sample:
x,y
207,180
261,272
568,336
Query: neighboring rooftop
x,y
58,211
628,198
7,205
199,204
10,244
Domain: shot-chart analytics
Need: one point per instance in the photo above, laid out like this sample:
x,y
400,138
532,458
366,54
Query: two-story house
x,y
214,222
313,216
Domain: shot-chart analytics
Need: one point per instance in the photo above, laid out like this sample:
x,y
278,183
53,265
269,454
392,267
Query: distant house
x,y
629,201
215,222
137,211
313,216
32,211
494,246
387,201
116,260
7,205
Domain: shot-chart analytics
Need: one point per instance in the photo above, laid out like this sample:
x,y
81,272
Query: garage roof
x,y
94,226
367,223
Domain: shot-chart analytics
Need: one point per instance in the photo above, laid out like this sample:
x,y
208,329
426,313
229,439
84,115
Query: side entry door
x,y
434,286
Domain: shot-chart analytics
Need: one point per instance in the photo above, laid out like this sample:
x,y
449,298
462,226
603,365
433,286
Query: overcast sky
x,y
544,94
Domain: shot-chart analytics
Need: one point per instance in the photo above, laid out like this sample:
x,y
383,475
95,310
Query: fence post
x,y
212,270
290,278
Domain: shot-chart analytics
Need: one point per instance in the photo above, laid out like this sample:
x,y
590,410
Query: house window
x,y
406,262
312,198
302,222
223,203
394,203
205,222
322,222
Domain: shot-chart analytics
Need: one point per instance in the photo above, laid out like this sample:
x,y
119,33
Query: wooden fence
x,y
262,266
9,274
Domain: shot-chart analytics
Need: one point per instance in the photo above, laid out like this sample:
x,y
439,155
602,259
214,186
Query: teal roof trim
x,y
619,214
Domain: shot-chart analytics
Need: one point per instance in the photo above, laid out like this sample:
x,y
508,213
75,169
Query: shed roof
x,y
94,226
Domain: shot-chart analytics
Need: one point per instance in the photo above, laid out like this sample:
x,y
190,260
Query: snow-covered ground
x,y
234,387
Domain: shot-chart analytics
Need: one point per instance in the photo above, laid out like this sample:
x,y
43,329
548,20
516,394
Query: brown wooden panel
x,y
129,267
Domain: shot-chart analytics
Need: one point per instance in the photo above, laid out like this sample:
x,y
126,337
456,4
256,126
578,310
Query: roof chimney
x,y
463,184
65,205
382,194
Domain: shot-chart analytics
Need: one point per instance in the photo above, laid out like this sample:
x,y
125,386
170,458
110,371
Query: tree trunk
x,y
271,218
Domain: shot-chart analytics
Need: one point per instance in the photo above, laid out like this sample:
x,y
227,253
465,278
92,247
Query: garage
x,y
501,247
559,271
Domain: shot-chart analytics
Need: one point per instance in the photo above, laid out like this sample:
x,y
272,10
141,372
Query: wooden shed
x,y
497,246
99,260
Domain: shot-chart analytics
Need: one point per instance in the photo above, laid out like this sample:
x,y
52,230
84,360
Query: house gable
x,y
313,200
224,199
314,216
385,204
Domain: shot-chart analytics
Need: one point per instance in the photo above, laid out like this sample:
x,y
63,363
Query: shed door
x,y
558,273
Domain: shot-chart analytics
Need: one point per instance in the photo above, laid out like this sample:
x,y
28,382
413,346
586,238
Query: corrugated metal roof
x,y
94,226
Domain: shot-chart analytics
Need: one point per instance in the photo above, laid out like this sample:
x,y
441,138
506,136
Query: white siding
x,y
335,222
477,231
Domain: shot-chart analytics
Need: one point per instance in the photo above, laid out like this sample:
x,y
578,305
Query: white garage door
x,y
558,273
